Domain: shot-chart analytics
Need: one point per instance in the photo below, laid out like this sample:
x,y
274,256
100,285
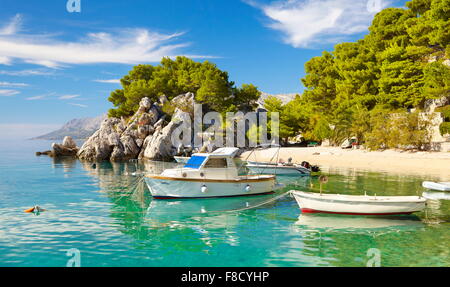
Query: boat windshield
x,y
195,161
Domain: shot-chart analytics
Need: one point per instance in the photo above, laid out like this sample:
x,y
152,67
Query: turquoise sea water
x,y
108,216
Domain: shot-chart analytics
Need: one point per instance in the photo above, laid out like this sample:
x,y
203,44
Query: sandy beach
x,y
436,165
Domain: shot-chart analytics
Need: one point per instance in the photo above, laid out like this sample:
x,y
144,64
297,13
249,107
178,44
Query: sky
x,y
57,64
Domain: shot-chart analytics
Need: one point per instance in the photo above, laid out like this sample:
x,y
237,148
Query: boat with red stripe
x,y
311,202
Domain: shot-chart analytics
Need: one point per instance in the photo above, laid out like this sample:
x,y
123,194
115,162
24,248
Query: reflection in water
x,y
179,210
67,163
108,214
207,225
338,240
354,224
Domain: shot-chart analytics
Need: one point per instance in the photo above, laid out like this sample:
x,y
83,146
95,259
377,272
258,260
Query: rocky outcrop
x,y
159,145
101,144
146,134
67,148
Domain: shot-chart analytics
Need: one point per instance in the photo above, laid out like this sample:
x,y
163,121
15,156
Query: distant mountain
x,y
76,128
285,98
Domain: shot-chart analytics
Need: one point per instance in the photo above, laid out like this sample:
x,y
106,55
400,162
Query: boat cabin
x,y
220,164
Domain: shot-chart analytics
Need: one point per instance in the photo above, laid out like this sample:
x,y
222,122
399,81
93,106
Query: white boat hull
x,y
358,205
441,186
161,187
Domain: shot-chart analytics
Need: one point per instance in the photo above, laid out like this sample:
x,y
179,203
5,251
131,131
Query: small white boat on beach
x,y
441,186
310,202
213,174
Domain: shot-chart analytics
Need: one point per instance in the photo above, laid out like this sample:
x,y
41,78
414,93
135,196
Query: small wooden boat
x,y
209,175
441,186
310,202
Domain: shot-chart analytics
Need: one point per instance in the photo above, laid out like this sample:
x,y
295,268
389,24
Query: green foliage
x,y
444,128
321,130
379,137
275,105
171,78
389,66
246,96
437,79
398,65
445,111
399,130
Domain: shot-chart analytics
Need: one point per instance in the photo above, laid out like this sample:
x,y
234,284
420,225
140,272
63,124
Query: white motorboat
x,y
283,168
441,186
310,202
213,174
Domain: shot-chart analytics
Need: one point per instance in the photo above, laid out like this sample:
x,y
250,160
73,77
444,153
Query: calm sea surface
x,y
108,216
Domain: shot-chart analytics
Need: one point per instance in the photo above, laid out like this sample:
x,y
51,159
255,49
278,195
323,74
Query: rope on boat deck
x,y
256,205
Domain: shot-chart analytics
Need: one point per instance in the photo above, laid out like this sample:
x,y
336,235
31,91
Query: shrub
x,y
445,111
399,130
444,128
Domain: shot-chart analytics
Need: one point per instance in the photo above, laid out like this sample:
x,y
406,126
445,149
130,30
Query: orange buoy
x,y
36,208
29,210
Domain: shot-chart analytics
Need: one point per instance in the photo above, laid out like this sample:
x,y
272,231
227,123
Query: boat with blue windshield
x,y
216,174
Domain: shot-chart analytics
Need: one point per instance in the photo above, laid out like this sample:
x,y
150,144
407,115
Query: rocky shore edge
x,y
145,135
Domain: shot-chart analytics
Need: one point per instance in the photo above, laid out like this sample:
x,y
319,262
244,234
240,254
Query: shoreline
x,y
432,164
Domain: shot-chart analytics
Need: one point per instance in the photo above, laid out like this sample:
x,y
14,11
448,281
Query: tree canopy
x,y
398,65
171,78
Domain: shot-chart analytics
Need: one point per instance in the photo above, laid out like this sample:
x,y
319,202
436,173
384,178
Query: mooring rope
x,y
253,206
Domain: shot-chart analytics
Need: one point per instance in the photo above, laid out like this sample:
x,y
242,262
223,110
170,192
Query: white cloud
x,y
125,46
27,73
35,98
305,23
112,81
78,105
68,97
5,60
13,26
8,84
8,93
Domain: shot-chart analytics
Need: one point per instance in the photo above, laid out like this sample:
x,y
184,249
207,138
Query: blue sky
x,y
56,65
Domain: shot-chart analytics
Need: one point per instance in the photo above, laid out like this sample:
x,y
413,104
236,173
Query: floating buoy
x,y
204,189
34,209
